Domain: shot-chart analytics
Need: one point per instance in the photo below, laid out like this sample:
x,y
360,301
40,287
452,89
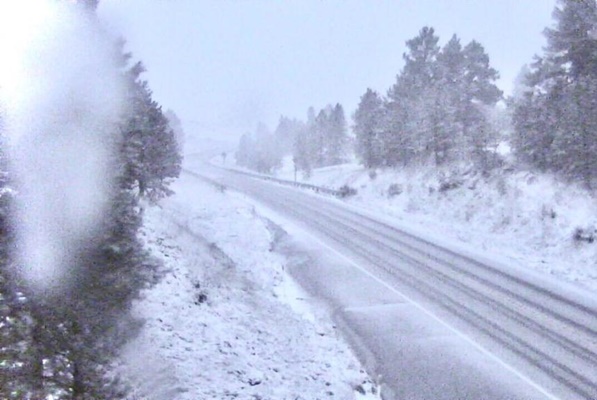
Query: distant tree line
x,y
320,141
437,111
442,110
61,346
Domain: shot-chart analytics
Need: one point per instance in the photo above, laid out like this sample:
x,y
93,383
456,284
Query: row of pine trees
x,y
320,141
445,110
61,346
436,113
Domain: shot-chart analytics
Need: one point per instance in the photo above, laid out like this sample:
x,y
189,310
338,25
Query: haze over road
x,y
434,323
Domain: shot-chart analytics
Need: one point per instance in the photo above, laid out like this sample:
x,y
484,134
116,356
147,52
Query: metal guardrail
x,y
316,189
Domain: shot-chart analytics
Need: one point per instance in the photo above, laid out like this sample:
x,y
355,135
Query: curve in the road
x,y
555,335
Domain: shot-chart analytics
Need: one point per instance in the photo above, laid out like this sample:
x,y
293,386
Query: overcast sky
x,y
222,66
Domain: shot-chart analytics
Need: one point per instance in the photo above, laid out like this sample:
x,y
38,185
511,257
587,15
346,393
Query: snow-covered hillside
x,y
527,218
226,321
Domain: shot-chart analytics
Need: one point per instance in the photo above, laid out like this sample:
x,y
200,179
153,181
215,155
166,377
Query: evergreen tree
x,y
450,99
176,125
61,344
555,119
438,109
573,42
521,87
307,146
410,99
245,152
576,147
322,141
153,158
398,143
336,136
268,157
285,134
368,128
260,151
326,134
302,153
419,68
318,133
534,116
480,94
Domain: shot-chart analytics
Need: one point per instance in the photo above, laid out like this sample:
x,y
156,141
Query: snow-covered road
x,y
439,324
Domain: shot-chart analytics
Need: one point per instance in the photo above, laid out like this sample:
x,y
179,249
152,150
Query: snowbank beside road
x,y
226,321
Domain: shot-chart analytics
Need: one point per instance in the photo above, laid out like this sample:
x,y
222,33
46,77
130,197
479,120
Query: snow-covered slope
x,y
226,321
528,218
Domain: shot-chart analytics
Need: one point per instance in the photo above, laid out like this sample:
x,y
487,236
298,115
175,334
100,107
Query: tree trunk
x,y
78,385
142,188
35,373
78,381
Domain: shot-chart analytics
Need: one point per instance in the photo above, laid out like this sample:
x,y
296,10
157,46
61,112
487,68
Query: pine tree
x,y
336,136
318,134
410,99
285,134
438,109
302,153
534,116
419,68
153,158
555,120
368,128
176,125
259,152
245,152
450,99
480,94
305,147
573,42
398,144
61,343
268,157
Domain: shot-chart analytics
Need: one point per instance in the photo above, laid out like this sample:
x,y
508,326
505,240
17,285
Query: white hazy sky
x,y
224,65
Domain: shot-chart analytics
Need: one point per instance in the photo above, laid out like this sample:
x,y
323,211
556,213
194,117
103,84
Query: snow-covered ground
x,y
527,218
226,321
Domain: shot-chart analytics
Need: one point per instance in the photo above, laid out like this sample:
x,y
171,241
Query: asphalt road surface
x,y
430,322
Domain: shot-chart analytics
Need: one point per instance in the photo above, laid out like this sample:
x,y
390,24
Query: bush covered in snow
x,y
584,235
346,191
395,189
